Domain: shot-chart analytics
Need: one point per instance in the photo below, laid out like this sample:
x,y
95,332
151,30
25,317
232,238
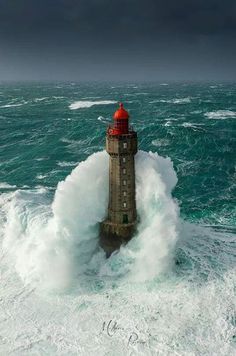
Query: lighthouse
x,y
121,145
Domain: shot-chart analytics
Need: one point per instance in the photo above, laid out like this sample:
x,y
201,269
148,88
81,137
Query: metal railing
x,y
130,128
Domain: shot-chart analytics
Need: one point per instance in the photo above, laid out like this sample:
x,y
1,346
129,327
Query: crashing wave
x,y
52,244
81,104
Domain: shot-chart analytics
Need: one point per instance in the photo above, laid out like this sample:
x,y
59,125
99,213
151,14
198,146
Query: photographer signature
x,y
112,328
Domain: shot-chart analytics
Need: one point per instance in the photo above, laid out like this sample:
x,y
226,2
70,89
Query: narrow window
x,y
124,159
124,204
124,182
125,219
124,193
124,171
125,145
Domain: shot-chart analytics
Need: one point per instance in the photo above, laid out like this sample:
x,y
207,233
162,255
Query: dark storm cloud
x,y
76,30
99,16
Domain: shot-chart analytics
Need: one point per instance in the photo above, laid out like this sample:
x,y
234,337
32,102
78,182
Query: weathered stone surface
x,y
112,236
120,224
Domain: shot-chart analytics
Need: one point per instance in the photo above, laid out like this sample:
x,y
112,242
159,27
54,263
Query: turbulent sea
x,y
171,290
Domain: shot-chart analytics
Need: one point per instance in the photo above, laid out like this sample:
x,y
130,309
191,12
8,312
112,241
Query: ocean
x,y
171,290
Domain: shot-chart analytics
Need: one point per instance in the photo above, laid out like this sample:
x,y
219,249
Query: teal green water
x,y
46,130
193,124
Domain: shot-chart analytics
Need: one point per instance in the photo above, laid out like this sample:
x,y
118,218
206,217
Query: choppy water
x,y
171,291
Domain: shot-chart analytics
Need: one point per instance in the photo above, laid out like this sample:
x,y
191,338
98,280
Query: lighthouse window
x,y
125,205
124,182
125,145
124,159
125,219
124,171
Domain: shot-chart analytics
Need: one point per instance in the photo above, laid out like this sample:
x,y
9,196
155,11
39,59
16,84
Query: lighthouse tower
x,y
121,145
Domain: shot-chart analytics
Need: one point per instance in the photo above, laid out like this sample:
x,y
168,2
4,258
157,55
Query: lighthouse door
x,y
125,219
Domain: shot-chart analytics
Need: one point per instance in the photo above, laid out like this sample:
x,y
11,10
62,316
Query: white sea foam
x,y
50,245
151,250
88,104
11,105
41,176
160,142
51,252
173,101
67,164
221,114
194,126
41,159
4,185
182,101
104,119
58,97
40,99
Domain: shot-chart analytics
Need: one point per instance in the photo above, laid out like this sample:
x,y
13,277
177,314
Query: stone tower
x,y
121,145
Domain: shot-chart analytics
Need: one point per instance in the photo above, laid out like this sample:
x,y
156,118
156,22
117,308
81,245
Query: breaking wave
x,y
53,244
5,185
221,114
173,101
13,105
88,104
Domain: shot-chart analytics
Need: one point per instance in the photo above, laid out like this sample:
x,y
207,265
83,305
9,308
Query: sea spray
x,y
53,245
150,252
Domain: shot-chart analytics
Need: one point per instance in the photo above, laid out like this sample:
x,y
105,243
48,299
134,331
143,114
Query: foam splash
x,y
81,104
53,244
150,252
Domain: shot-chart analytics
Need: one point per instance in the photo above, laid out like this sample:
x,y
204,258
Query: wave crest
x,y
81,104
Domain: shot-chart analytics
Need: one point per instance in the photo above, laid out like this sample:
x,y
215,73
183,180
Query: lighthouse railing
x,y
112,127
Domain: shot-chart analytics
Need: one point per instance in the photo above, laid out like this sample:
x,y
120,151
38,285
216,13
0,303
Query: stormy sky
x,y
118,40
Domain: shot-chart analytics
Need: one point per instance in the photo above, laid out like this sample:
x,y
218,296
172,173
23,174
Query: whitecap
x,y
41,176
12,105
104,119
81,104
194,126
58,97
221,114
40,99
5,185
172,101
160,142
67,164
182,101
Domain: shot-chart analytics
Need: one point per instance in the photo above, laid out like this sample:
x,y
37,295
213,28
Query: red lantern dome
x,y
121,113
121,124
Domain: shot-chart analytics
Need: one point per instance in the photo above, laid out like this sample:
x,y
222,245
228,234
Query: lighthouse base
x,y
112,236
